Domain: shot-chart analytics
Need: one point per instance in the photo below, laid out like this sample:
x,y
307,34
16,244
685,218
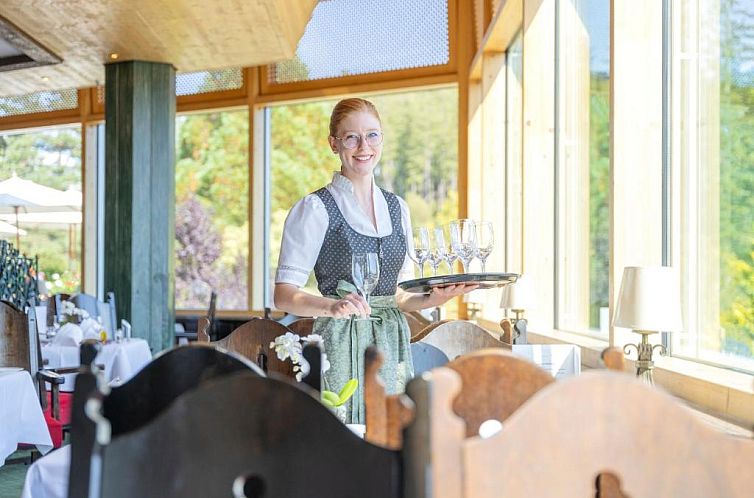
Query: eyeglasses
x,y
352,140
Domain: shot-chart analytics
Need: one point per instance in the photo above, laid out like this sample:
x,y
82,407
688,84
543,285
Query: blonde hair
x,y
349,106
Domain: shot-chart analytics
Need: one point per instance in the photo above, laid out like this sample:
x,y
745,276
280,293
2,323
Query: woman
x,y
323,229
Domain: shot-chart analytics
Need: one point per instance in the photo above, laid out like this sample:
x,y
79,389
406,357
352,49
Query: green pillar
x,y
140,196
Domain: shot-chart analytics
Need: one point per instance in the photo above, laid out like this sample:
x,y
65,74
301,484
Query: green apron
x,y
346,340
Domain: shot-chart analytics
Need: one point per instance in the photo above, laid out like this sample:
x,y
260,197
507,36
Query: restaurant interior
x,y
576,174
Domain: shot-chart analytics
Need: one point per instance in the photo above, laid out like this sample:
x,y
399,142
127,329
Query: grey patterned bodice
x,y
341,241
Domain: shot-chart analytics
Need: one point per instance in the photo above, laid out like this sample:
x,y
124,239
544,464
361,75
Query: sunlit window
x,y
419,160
211,216
40,202
583,144
713,178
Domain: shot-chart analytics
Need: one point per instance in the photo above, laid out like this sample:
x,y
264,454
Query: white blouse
x,y
307,222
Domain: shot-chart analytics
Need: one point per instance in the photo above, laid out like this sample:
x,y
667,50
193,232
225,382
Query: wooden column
x,y
140,196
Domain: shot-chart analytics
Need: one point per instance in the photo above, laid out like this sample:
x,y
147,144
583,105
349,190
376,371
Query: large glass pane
x,y
40,211
514,156
419,159
583,144
212,216
347,37
713,151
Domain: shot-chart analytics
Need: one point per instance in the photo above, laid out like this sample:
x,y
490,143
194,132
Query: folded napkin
x,y
68,335
90,328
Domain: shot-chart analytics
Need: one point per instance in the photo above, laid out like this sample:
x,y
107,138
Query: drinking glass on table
x,y
463,239
419,251
365,269
485,241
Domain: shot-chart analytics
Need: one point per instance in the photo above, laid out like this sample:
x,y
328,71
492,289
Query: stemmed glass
x,y
437,250
485,241
463,240
419,251
450,255
365,269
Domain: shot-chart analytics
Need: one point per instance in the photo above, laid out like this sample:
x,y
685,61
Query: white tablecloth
x,y
121,359
21,418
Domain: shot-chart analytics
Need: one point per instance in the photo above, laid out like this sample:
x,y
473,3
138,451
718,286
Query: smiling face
x,y
360,161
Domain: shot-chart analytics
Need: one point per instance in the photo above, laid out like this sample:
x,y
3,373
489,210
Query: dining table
x,y
21,417
121,359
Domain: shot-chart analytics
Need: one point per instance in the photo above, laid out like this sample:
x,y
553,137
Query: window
x,y
208,81
583,144
514,154
712,123
419,160
347,37
53,100
212,215
42,170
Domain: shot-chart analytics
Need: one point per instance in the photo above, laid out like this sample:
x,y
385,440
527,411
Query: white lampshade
x,y
649,299
518,295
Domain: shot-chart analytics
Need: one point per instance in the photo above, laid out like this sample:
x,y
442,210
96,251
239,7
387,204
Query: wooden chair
x,y
614,359
494,384
302,326
639,440
19,347
55,308
207,326
416,322
241,435
458,337
143,398
252,340
426,330
425,357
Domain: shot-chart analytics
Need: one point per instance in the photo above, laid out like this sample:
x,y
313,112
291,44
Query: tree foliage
x,y
51,158
736,178
212,184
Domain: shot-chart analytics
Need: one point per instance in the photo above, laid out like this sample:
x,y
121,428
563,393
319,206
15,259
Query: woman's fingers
x,y
441,295
361,304
352,304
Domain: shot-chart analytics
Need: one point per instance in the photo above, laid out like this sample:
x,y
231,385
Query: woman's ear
x,y
333,144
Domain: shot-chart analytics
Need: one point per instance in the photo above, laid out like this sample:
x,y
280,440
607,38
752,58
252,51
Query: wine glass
x,y
419,250
365,269
450,254
463,240
485,241
437,250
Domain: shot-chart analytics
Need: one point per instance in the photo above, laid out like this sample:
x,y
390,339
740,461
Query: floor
x,y
12,475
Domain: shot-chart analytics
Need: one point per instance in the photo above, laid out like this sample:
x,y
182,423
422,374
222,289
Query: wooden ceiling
x,y
192,35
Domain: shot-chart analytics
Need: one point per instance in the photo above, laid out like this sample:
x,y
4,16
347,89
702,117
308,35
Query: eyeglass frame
x,y
361,139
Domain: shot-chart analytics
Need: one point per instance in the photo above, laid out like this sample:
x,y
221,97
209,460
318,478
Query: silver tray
x,y
485,281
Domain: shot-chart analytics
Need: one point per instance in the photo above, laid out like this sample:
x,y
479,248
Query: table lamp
x,y
649,302
516,297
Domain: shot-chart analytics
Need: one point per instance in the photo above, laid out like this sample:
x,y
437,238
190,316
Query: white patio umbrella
x,y
25,196
52,219
8,228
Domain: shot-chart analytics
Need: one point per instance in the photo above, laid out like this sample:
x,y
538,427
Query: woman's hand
x,y
352,304
441,295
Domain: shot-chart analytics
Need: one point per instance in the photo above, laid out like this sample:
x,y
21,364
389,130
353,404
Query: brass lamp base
x,y
644,363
